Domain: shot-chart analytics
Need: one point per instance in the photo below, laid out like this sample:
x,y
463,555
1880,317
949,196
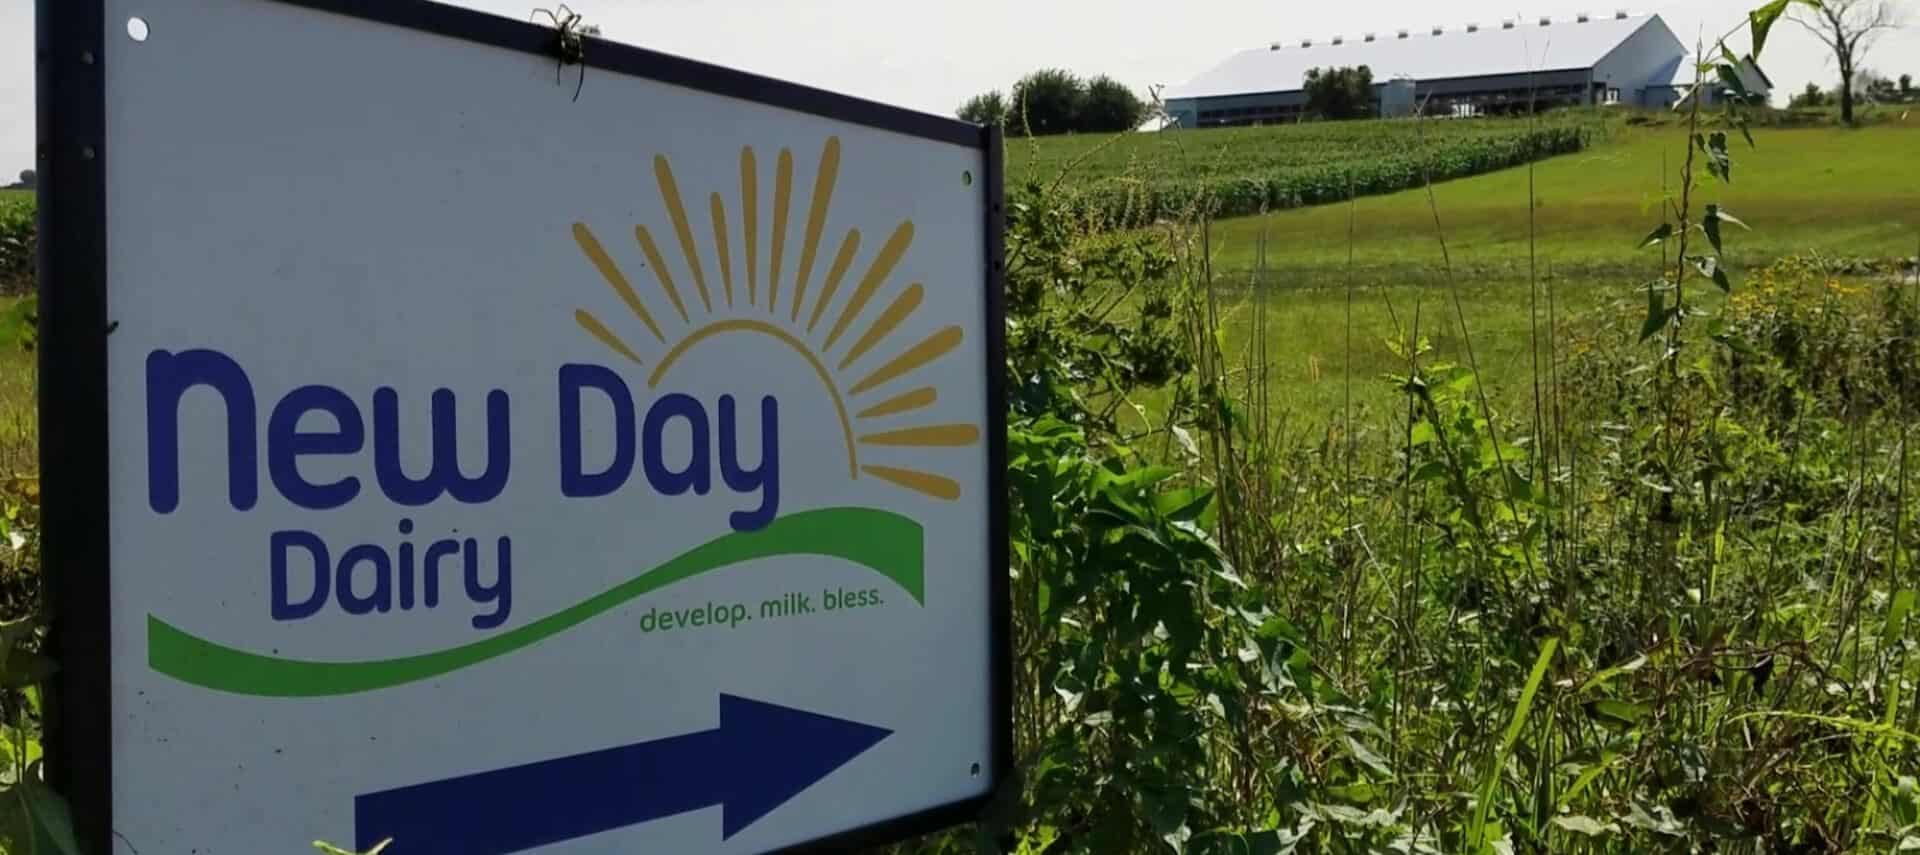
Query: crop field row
x,y
1135,179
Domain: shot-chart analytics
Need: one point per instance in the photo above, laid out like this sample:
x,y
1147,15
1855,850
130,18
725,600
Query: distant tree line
x,y
1057,101
1867,84
28,180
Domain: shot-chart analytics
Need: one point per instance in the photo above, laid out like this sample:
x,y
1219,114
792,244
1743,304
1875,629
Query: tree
x,y
1877,86
1340,93
1110,107
28,178
1906,84
1047,101
987,108
1849,28
1812,97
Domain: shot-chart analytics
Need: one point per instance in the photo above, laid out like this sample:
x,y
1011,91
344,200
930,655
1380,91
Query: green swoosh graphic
x,y
882,541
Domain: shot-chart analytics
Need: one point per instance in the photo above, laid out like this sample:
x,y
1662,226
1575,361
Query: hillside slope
x,y
1852,193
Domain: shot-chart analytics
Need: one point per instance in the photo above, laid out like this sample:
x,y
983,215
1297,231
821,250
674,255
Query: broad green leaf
x,y
1760,22
1657,314
1617,712
1369,757
1897,612
50,815
1277,628
1730,77
1580,824
1185,503
26,668
1711,225
1709,266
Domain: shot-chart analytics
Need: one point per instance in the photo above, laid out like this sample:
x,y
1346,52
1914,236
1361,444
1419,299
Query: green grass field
x,y
1843,193
19,412
1840,192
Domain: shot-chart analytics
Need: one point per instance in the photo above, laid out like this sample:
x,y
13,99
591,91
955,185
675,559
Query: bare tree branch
x,y
1849,28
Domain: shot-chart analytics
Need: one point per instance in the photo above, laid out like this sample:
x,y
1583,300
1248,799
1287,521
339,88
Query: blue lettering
x,y
444,475
405,570
500,593
282,605
575,481
697,476
765,478
286,443
381,599
430,569
169,376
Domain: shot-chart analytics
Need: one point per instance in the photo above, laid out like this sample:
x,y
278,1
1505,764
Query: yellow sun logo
x,y
759,311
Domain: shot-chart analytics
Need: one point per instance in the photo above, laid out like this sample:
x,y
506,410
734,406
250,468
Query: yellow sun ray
x,y
898,311
917,481
660,270
598,330
615,279
928,350
823,181
906,403
782,193
930,436
883,263
670,191
840,264
750,214
778,334
720,244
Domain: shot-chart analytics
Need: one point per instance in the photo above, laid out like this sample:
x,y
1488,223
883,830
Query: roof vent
x,y
1306,42
1583,18
1369,37
1437,30
1339,40
1506,24
1546,21
1619,14
1274,46
1473,28
1403,34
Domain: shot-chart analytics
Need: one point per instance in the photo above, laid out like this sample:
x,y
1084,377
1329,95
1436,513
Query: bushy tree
x,y
1047,101
1340,93
28,178
986,108
1876,86
1812,96
1110,107
1906,84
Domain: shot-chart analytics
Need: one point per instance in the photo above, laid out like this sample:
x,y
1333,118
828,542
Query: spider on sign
x,y
568,47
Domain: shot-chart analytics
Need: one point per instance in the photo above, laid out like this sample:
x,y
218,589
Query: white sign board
x,y
493,470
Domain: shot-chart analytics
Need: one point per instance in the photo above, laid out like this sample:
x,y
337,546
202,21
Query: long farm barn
x,y
1511,67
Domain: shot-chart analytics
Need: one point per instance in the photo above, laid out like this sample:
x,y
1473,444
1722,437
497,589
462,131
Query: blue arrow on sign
x,y
760,756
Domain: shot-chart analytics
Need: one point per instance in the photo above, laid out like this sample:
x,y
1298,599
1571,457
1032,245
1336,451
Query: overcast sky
x,y
932,54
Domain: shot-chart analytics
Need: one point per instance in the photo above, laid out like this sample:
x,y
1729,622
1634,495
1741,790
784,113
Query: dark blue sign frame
x,y
74,328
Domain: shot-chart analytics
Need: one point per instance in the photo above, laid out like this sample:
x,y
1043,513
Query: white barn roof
x,y
1528,46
